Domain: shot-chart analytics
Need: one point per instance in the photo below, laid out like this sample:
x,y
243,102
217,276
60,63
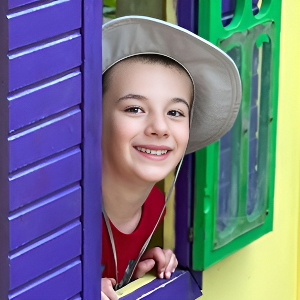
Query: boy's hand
x,y
165,260
107,291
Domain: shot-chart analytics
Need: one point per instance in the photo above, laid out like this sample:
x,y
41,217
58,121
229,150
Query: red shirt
x,y
128,246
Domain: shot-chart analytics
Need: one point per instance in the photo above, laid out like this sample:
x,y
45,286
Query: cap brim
x,y
216,79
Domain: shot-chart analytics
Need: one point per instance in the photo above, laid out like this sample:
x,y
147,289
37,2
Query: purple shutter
x,y
49,105
92,126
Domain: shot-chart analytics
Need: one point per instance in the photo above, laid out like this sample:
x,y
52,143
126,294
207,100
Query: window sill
x,y
181,285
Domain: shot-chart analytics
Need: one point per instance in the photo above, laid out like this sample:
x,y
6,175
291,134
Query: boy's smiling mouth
x,y
151,151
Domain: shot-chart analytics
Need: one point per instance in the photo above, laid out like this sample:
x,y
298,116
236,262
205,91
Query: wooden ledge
x,y
181,286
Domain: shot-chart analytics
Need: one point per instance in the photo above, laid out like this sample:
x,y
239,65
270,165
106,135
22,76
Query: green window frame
x,y
234,177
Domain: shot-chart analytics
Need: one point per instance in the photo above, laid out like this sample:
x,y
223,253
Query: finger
x,y
103,296
143,267
110,295
158,256
113,281
107,288
171,265
113,295
162,267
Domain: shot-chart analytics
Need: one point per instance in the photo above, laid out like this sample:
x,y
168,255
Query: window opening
x,y
256,5
228,8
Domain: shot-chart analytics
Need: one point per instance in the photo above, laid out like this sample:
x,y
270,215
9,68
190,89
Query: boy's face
x,y
145,109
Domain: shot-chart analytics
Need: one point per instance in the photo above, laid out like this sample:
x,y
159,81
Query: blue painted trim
x,y
180,286
92,116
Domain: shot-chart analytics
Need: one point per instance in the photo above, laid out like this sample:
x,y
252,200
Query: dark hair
x,y
147,59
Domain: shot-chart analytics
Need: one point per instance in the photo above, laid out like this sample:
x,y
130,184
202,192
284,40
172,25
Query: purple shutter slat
x,y
76,297
59,285
16,3
44,216
45,178
43,101
45,139
43,61
45,254
43,22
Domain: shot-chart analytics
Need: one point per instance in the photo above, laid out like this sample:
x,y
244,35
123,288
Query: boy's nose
x,y
157,126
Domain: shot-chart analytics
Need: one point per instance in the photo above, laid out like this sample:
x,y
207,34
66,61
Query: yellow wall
x,y
268,268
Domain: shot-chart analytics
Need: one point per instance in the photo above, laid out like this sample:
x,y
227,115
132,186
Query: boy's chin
x,y
154,177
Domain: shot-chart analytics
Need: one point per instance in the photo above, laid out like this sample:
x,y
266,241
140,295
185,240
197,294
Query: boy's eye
x,y
134,110
175,113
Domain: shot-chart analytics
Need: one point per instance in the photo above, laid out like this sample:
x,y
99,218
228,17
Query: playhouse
x,y
234,218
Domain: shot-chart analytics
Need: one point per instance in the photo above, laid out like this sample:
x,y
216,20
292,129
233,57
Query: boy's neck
x,y
123,202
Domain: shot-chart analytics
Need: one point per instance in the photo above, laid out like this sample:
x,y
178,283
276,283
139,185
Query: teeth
x,y
155,152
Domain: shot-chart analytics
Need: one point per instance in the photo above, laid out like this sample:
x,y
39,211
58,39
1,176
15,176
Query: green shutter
x,y
234,177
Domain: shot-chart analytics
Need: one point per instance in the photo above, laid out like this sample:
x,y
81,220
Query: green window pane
x,y
259,135
244,151
229,170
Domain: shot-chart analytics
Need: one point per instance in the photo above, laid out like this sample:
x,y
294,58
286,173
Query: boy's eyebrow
x,y
140,97
178,100
132,96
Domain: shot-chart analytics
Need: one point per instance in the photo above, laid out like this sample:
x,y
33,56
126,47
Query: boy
x,y
166,92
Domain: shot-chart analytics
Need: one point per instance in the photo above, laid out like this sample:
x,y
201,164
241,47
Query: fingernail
x,y
161,275
173,270
168,275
